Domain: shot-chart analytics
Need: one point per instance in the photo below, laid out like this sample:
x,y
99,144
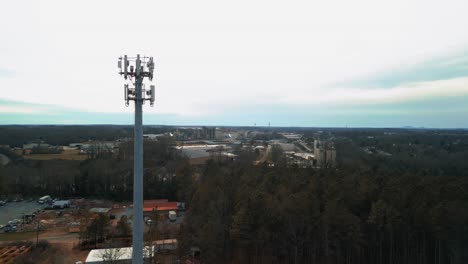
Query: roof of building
x,y
195,153
125,253
166,244
166,208
157,201
291,135
287,146
163,206
304,155
165,241
228,154
99,210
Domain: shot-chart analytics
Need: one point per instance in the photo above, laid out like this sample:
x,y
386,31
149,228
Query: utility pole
x,y
37,232
136,69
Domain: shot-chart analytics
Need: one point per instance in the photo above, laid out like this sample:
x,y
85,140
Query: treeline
x,y
429,153
247,214
410,207
16,136
107,176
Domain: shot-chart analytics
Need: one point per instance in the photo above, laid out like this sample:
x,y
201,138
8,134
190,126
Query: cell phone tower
x,y
136,69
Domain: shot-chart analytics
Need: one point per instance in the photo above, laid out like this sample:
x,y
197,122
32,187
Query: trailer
x,y
165,245
61,204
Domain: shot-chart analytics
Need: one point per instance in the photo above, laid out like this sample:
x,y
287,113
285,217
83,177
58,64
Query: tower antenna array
x,y
135,69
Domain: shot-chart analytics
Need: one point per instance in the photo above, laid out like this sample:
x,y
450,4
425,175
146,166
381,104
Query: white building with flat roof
x,y
116,255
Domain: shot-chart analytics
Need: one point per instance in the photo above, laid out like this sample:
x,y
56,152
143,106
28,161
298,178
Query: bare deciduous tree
x,y
111,254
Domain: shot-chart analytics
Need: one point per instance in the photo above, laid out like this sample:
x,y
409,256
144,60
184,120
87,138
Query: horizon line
x,y
250,126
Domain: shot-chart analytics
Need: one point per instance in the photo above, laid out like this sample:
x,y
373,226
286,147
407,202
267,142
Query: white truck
x,y
44,199
172,216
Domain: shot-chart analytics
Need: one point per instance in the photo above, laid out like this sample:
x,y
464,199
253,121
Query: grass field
x,y
16,236
69,154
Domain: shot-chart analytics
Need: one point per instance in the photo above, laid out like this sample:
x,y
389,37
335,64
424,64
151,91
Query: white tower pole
x,y
137,255
136,94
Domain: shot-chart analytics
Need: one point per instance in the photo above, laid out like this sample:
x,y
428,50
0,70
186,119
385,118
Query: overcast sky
x,y
290,63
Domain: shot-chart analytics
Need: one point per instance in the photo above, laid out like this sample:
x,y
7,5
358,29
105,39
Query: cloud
x,y
19,107
444,112
216,60
444,67
17,112
5,73
440,77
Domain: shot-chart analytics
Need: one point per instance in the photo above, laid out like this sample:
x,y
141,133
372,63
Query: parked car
x,y
59,204
149,221
9,228
172,216
14,222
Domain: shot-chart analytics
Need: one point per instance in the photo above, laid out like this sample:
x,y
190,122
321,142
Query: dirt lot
x,y
16,236
52,223
70,252
55,226
8,254
55,253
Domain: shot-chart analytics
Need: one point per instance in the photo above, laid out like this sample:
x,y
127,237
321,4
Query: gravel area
x,y
13,210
